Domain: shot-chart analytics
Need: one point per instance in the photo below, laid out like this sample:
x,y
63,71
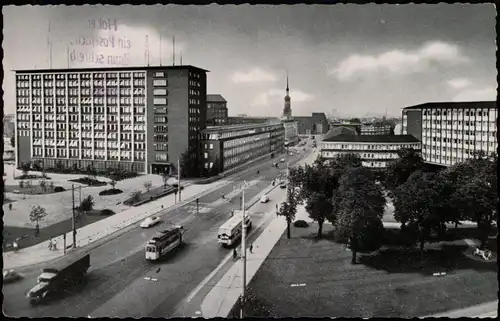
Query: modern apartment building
x,y
229,146
452,132
375,150
216,110
135,118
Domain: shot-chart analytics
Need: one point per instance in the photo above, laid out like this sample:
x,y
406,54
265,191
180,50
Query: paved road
x,y
115,285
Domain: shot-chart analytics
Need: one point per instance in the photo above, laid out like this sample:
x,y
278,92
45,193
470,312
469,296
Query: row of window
x,y
326,145
82,109
458,112
163,157
236,133
51,152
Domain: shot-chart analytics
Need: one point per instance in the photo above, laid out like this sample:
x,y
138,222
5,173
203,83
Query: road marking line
x,y
147,278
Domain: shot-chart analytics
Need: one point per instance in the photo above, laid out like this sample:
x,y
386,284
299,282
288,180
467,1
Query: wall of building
x,y
412,123
178,114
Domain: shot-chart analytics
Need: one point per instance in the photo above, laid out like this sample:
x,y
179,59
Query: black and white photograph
x,y
238,161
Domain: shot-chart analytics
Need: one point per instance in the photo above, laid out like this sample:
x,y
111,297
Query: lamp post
x,y
243,253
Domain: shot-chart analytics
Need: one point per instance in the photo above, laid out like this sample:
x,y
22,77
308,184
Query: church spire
x,y
287,89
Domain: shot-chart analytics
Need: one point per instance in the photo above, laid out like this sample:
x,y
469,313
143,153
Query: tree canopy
x,y
399,170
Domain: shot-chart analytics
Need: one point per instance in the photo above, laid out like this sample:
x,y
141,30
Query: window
x,y
205,155
159,74
160,101
160,92
211,146
159,82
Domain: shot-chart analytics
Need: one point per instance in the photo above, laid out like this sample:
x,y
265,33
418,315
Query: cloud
x,y
275,96
253,75
398,61
459,83
484,94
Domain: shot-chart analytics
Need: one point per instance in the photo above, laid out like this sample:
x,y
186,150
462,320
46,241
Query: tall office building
x,y
452,132
135,118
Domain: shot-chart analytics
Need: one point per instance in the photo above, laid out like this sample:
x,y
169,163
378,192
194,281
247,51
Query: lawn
x,y
386,283
27,235
88,181
33,189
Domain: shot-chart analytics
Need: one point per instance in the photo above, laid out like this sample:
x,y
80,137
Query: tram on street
x,y
164,242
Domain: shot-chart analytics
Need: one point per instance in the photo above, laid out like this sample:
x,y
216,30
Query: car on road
x,y
282,184
10,276
282,160
150,221
264,199
291,154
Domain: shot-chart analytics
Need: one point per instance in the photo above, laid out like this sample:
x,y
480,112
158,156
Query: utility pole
x,y
243,256
179,178
80,195
74,217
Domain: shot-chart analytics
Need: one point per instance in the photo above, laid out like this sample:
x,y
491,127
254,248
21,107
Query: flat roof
x,y
215,98
228,128
104,69
373,139
455,105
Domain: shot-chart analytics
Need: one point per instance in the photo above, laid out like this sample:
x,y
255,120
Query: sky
x,y
345,60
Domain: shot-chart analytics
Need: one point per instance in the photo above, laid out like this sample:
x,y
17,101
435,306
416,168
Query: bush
x,y
111,191
300,223
58,189
107,212
88,181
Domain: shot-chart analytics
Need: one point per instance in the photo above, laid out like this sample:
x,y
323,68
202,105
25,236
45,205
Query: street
x,y
115,284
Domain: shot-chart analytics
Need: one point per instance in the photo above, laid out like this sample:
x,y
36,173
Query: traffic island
x,y
307,276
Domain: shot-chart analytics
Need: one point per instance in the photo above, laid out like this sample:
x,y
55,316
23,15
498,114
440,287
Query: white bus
x,y
164,242
230,231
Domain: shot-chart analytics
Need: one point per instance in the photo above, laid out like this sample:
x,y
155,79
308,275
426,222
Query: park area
x,y
309,277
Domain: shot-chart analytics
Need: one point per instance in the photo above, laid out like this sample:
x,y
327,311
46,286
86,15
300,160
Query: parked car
x,y
10,276
282,184
264,199
150,221
282,160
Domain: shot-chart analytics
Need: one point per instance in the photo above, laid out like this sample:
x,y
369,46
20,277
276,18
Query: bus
x,y
164,242
230,231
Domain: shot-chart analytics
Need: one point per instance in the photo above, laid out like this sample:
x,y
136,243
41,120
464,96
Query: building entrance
x,y
160,169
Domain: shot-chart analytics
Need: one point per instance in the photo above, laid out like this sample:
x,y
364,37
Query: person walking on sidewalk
x,y
251,248
50,245
235,255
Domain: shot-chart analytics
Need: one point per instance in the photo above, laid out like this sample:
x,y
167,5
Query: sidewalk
x,y
221,299
485,310
40,253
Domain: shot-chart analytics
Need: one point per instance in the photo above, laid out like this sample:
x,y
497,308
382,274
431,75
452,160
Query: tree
x,y
25,168
43,184
51,185
37,214
359,206
165,177
189,164
399,170
87,204
112,182
355,120
319,207
147,186
13,141
418,205
135,197
288,210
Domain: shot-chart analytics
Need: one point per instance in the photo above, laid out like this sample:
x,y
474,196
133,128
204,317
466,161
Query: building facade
x,y
377,128
135,118
316,124
216,110
227,147
376,151
355,126
452,132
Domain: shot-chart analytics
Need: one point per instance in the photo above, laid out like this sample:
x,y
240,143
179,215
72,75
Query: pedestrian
x,y
235,254
10,206
16,246
251,248
54,247
50,244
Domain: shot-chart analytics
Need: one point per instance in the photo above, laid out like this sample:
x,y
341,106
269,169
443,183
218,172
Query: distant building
x,y
452,132
398,129
375,150
235,120
316,124
216,110
227,147
377,128
355,126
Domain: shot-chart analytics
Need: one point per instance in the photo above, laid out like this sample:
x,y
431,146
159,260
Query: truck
x,y
55,278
